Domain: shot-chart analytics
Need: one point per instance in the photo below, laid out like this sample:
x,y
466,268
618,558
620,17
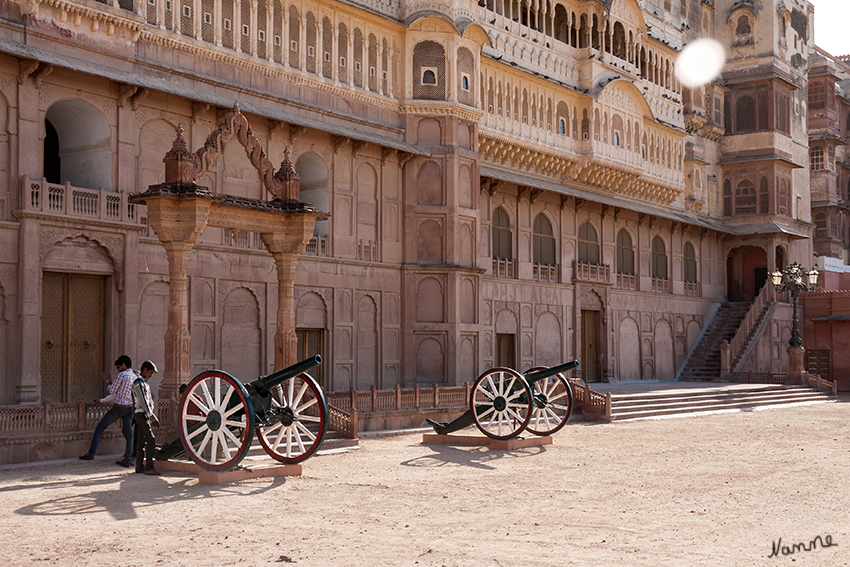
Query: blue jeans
x,y
113,415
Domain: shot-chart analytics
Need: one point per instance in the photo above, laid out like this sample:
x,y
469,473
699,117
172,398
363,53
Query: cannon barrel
x,y
533,377
264,384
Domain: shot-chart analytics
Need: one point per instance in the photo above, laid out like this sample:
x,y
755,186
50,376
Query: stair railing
x,y
737,343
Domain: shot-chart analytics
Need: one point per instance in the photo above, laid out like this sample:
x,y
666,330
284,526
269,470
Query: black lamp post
x,y
795,280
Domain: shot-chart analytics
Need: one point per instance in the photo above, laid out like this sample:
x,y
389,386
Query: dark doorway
x,y
589,341
52,161
505,351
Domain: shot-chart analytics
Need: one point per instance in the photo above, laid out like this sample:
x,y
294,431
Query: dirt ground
x,y
717,490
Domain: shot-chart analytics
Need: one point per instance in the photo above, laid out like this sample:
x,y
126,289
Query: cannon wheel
x,y
553,404
298,420
216,420
500,403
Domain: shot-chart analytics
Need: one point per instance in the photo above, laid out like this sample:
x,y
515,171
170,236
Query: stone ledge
x,y
482,441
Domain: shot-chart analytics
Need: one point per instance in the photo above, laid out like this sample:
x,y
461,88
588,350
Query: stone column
x,y
178,223
285,245
795,364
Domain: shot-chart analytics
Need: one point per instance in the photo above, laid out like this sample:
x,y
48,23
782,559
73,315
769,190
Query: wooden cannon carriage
x,y
219,416
504,403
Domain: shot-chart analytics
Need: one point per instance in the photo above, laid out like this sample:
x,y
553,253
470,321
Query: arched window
x,y
588,244
625,253
743,26
816,158
429,77
745,198
659,259
690,263
830,162
502,249
544,241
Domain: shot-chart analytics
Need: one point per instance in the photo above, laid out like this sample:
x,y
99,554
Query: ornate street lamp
x,y
795,279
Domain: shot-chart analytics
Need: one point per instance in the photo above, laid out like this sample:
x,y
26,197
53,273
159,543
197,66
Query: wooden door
x,y
72,325
311,343
589,330
505,351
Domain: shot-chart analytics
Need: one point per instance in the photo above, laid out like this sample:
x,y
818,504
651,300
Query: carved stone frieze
x,y
113,243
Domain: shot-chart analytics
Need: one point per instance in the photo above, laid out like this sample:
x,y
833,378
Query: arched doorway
x,y
746,273
77,146
314,186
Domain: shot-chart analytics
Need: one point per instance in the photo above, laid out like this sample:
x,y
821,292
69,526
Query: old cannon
x,y
504,403
219,416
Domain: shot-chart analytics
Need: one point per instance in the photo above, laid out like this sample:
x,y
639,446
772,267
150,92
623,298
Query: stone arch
x,y
429,184
241,334
466,246
367,202
468,304
84,149
153,324
547,340
430,361
429,301
78,254
665,361
693,330
506,322
367,343
154,135
313,171
464,187
311,311
629,350
429,242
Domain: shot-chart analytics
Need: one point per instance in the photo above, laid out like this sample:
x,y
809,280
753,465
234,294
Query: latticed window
x,y
817,96
743,26
278,32
187,24
659,259
465,71
227,23
588,244
502,249
625,253
544,241
690,263
820,226
385,67
245,15
816,158
294,37
429,59
207,24
358,58
262,28
830,153
373,63
311,31
745,198
745,114
342,53
784,197
169,15
327,48
764,196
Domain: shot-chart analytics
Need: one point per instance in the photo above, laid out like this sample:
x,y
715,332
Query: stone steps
x,y
680,403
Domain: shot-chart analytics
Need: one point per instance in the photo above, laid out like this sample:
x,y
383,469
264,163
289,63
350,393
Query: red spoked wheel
x,y
501,403
216,420
293,427
552,406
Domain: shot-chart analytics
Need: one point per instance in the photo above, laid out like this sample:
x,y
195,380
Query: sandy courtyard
x,y
718,490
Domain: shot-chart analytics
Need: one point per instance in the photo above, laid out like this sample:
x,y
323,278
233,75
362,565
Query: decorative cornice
x,y
441,108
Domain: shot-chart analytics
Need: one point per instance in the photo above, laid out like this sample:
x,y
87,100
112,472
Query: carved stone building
x,y
509,183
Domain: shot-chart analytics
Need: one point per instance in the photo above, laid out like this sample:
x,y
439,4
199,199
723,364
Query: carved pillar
x,y
285,247
178,222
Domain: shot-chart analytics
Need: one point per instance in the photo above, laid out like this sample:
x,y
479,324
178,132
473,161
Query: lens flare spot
x,y
700,62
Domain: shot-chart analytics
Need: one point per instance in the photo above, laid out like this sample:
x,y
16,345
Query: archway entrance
x,y
72,327
746,273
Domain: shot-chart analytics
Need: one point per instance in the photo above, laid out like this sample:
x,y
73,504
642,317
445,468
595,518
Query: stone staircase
x,y
704,362
695,401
